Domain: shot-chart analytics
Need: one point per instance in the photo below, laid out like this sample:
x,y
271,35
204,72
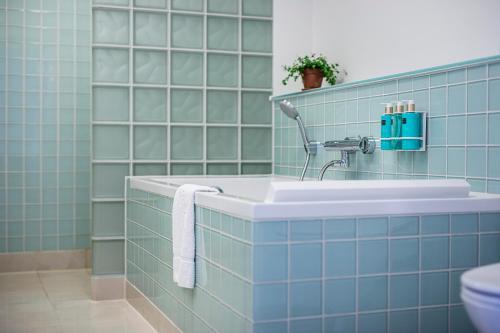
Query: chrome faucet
x,y
347,147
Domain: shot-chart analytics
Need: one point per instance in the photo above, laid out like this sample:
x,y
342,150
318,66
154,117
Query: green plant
x,y
330,71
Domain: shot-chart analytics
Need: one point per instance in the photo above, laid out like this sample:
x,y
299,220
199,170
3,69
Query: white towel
x,y
183,219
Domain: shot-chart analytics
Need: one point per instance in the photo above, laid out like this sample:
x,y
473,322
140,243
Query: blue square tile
x,y
305,230
405,84
372,227
372,256
344,324
437,131
305,325
340,296
434,224
438,79
275,326
372,293
456,99
340,228
464,223
437,161
305,299
434,288
494,95
403,226
459,320
270,301
476,129
494,162
464,251
489,250
372,323
476,73
438,102
403,321
404,255
493,126
306,261
489,222
275,231
421,82
456,161
475,169
435,253
434,320
476,97
455,286
456,76
456,130
270,262
494,69
403,291
340,258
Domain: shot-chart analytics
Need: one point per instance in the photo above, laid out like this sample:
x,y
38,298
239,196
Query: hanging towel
x,y
183,219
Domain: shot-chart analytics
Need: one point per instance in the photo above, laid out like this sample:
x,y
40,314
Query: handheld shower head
x,y
289,109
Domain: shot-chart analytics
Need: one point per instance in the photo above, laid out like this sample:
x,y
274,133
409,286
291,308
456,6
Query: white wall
x,y
372,38
292,38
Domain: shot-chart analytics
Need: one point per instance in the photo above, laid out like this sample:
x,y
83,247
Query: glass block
x,y
110,65
150,142
477,97
182,169
111,2
110,26
258,8
222,107
256,72
150,29
222,169
109,180
108,257
186,106
256,143
110,142
187,68
222,70
187,31
143,169
162,4
494,95
110,104
186,143
257,36
108,218
222,33
255,108
222,143
150,104
191,5
256,169
150,67
223,6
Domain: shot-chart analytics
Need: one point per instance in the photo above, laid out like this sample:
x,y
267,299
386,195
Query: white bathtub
x,y
271,198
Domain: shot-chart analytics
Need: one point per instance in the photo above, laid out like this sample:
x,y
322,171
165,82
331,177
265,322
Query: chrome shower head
x,y
289,109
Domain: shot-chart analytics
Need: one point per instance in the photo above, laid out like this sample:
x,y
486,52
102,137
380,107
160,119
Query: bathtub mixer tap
x,y
347,147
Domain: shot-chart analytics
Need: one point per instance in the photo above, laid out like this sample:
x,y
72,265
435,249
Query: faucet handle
x,y
367,145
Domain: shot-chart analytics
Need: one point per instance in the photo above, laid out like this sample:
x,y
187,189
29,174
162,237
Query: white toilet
x,y
480,293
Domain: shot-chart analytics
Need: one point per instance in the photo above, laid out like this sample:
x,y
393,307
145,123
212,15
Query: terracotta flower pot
x,y
312,78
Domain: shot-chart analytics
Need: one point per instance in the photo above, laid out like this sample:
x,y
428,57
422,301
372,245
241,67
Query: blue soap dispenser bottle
x,y
411,127
386,127
397,125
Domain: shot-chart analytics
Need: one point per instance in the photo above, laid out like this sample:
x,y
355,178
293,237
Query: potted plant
x,y
313,69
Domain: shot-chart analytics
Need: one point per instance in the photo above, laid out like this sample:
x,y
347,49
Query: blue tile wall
x,y
44,125
463,105
370,274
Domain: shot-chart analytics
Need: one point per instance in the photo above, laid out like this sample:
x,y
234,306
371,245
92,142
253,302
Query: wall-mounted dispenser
x,y
403,128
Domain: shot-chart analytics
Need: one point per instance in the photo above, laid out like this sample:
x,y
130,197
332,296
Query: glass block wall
x,y
44,125
463,105
179,87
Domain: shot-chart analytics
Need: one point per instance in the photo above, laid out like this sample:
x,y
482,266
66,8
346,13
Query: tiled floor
x,y
59,301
